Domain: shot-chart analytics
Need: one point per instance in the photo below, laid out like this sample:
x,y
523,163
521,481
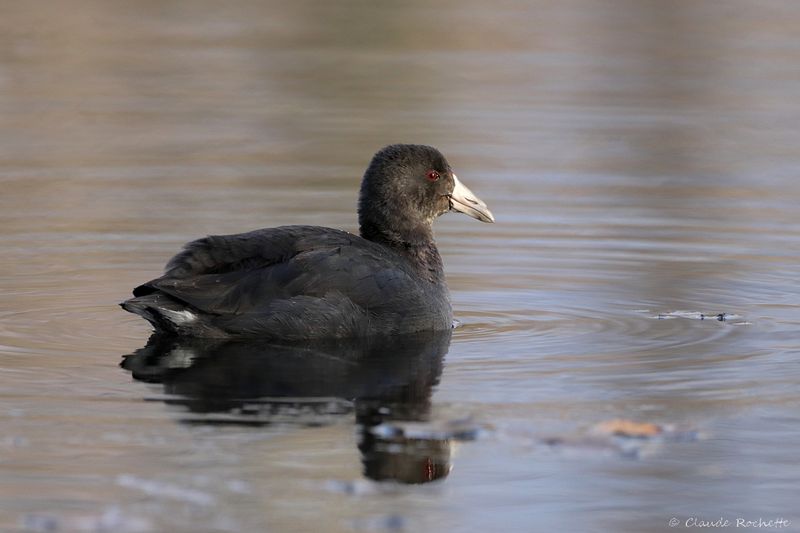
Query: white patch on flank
x,y
178,317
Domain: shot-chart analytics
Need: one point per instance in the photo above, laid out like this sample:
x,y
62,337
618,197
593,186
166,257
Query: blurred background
x,y
641,158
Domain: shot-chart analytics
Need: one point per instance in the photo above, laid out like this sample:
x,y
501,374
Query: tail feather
x,y
164,313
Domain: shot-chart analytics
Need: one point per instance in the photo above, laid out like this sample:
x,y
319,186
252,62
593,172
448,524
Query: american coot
x,y
301,282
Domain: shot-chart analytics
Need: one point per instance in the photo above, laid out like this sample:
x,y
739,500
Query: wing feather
x,y
249,273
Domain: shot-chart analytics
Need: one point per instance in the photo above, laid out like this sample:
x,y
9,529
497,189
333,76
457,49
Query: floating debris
x,y
696,315
628,438
462,429
621,427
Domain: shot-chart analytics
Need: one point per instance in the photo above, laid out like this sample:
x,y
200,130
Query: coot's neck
x,y
415,244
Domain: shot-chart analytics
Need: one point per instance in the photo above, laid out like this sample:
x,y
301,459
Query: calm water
x,y
642,160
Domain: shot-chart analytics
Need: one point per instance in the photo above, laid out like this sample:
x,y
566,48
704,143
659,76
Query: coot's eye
x,y
432,175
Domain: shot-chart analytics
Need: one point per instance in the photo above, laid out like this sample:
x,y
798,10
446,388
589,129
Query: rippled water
x,y
641,159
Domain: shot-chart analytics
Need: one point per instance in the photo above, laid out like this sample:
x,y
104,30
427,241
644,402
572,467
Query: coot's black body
x,y
299,282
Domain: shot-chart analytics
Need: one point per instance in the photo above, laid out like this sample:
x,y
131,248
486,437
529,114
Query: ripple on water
x,y
76,313
553,328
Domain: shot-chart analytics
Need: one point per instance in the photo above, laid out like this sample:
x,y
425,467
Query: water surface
x,y
641,159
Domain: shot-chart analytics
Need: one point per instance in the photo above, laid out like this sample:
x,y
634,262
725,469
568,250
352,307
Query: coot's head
x,y
407,186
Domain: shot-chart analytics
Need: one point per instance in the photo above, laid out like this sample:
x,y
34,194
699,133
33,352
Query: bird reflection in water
x,y
385,381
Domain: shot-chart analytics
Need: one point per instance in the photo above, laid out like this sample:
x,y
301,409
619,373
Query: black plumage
x,y
298,282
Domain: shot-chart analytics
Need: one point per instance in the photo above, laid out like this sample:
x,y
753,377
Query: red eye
x,y
432,175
